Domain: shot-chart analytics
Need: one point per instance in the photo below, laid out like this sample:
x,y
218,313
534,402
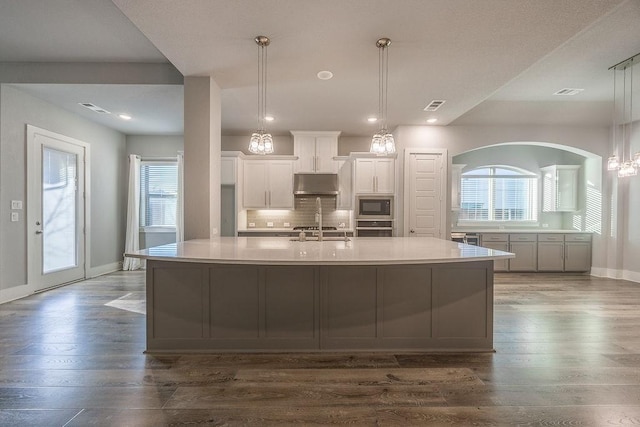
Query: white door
x,y
55,208
425,195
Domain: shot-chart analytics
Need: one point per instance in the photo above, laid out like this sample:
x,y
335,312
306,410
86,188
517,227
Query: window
x,y
498,193
158,193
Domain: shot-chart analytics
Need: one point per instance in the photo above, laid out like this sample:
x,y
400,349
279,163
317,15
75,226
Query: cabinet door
x,y
364,175
344,185
326,150
501,264
227,171
254,184
577,256
526,256
385,176
304,146
567,189
551,256
280,178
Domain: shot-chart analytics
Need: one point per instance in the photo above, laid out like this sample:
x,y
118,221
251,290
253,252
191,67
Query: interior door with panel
x,y
55,208
424,192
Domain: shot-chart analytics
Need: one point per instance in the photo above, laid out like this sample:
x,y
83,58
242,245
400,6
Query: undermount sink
x,y
324,239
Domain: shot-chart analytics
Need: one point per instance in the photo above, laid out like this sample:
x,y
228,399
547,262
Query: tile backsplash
x,y
303,214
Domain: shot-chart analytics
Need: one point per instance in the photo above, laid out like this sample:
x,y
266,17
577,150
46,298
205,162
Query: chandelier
x,y
261,141
382,142
623,121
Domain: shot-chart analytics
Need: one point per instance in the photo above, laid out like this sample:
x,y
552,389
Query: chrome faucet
x,y
319,217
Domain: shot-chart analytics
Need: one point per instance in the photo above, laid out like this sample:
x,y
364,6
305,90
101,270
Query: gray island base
x,y
307,297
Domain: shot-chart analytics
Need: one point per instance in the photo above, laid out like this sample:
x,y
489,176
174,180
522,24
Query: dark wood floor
x,y
568,353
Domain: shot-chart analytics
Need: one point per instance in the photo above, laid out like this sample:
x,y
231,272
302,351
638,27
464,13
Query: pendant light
x,y
625,168
382,142
261,142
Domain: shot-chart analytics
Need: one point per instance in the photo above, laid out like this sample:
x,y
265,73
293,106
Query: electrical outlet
x,y
15,217
269,224
16,204
252,224
286,224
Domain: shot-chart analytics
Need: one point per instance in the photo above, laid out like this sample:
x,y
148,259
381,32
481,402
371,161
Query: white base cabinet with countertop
x,y
550,252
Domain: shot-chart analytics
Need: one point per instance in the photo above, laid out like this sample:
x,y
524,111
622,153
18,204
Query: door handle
x,y
412,231
39,231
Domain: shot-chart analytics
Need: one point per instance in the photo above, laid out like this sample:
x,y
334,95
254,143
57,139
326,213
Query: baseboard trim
x,y
104,269
14,293
632,276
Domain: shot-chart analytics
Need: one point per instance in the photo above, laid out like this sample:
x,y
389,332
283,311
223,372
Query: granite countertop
x,y
356,251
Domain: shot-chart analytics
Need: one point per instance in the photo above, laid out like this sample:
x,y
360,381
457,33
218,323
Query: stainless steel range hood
x,y
315,183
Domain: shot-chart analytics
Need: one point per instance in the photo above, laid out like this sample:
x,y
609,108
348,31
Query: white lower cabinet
x,y
564,252
498,241
552,252
525,247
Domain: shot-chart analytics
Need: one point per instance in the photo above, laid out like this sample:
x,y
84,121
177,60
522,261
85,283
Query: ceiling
x,y
495,62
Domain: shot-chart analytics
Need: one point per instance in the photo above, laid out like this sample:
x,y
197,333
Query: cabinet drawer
x,y
550,237
495,237
577,237
525,237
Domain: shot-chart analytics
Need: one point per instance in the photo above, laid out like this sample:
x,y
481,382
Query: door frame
x,y
444,214
32,191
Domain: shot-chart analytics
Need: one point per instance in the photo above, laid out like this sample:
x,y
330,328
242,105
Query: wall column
x,y
202,141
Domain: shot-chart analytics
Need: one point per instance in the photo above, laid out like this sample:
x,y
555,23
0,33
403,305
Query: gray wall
x,y
108,171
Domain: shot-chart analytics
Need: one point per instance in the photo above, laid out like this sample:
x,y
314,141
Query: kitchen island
x,y
278,294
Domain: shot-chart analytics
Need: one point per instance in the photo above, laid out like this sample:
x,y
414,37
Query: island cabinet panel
x,y
234,302
176,291
461,296
291,302
405,310
349,295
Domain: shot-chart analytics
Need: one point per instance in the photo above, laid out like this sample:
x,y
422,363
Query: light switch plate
x,y
252,224
16,204
15,217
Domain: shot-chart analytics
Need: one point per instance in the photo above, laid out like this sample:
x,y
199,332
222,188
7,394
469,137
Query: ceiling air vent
x,y
434,105
94,107
568,91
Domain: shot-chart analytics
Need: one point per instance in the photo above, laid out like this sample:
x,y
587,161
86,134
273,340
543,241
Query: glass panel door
x,y
59,207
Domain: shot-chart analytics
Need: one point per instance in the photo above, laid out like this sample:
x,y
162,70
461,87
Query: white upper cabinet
x,y
560,188
268,184
375,175
315,151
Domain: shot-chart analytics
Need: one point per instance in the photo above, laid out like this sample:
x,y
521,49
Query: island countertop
x,y
284,251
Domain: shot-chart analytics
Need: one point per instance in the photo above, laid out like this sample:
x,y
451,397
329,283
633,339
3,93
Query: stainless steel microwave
x,y
378,207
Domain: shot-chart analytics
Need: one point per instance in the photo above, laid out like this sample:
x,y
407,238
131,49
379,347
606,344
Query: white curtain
x,y
180,199
132,237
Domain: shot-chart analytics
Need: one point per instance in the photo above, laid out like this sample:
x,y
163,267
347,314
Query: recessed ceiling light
x,y
124,116
269,118
325,75
372,119
432,120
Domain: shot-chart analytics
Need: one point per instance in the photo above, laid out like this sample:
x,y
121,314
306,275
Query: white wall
x,y
108,174
154,145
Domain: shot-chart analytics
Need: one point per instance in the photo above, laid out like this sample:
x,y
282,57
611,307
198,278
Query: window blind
x,y
158,193
498,194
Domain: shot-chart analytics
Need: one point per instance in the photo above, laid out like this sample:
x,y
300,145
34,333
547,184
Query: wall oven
x,y
374,207
376,228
